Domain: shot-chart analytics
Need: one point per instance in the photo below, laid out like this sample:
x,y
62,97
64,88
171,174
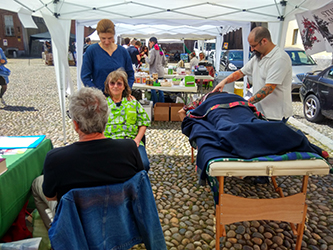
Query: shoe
x,y
3,101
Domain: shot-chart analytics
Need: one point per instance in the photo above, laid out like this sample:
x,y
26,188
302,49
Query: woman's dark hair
x,y
153,39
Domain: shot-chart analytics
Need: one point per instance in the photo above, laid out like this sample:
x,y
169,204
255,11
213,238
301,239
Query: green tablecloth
x,y
15,183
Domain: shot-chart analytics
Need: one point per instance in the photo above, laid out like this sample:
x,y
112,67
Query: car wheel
x,y
312,109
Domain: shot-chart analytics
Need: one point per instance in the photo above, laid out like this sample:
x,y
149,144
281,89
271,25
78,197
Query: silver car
x,y
301,64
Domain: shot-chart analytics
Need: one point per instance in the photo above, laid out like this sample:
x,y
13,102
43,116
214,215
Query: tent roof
x,y
142,31
185,12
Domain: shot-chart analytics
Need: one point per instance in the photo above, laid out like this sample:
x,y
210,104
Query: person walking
x,y
4,73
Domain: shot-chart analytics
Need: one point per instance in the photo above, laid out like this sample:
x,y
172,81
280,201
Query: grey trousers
x,y
46,209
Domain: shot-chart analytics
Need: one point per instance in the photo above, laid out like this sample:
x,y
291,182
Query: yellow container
x,y
238,91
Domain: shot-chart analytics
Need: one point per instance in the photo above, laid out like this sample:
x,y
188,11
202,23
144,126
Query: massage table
x,y
292,209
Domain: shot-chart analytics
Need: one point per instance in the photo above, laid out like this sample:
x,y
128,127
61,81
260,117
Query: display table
x,y
200,79
197,77
15,183
174,88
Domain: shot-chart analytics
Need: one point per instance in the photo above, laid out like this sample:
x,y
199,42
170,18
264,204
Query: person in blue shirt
x,y
133,51
104,57
4,73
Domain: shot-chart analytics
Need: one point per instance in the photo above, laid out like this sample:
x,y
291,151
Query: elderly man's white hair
x,y
89,108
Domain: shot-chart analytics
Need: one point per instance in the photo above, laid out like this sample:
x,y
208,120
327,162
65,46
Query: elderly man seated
x,y
92,161
223,125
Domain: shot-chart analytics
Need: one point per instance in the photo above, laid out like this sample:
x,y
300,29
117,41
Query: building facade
x,y
11,34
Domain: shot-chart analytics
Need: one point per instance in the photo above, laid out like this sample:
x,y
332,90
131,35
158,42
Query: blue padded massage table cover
x,y
237,133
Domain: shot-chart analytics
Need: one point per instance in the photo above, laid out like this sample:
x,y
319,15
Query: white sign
x,y
316,29
5,42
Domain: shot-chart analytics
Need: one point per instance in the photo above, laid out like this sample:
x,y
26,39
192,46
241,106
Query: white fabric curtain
x,y
60,31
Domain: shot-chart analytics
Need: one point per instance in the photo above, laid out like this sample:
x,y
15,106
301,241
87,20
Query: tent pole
x,y
79,51
283,12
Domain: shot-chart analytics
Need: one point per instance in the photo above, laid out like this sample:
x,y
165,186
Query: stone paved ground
x,y
186,210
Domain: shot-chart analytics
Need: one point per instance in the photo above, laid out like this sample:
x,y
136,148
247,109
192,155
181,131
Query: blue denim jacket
x,y
114,217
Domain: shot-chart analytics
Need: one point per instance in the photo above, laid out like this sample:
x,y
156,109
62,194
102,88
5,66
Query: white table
x,y
175,88
201,78
196,77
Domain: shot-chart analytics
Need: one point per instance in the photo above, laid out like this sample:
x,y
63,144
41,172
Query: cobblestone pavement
x,y
186,210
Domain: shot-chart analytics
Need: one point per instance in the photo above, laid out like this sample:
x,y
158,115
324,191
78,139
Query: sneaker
x,y
3,101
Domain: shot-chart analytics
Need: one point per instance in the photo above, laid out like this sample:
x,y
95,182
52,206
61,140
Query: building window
x,y
295,36
9,25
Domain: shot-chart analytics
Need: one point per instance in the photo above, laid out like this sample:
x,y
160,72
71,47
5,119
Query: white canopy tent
x,y
195,13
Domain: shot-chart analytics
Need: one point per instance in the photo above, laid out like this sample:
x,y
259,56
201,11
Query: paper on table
x,y
12,151
9,142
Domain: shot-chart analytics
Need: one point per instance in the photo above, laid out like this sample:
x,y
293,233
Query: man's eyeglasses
x,y
118,84
253,46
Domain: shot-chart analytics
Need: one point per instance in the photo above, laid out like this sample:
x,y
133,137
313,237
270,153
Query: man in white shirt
x,y
126,43
271,73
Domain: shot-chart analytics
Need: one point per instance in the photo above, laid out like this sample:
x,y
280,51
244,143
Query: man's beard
x,y
258,54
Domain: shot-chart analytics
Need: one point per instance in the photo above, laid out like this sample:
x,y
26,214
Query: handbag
x,y
4,71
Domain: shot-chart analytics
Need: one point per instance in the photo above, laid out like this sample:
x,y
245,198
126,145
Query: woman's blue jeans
x,y
154,96
144,157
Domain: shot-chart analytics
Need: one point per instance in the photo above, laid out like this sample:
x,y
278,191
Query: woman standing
x,y
127,119
156,61
104,57
143,51
4,73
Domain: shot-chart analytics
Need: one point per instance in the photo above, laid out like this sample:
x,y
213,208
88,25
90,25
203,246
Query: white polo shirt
x,y
274,68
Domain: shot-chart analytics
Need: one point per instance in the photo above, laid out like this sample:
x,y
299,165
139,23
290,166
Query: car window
x,y
236,55
298,57
330,74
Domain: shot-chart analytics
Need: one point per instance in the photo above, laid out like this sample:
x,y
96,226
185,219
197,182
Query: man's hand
x,y
2,61
220,86
233,77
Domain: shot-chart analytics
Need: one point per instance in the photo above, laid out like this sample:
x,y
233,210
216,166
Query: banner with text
x,y
316,29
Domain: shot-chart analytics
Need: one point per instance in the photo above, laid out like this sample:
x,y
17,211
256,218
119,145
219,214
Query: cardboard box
x,y
161,111
174,108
